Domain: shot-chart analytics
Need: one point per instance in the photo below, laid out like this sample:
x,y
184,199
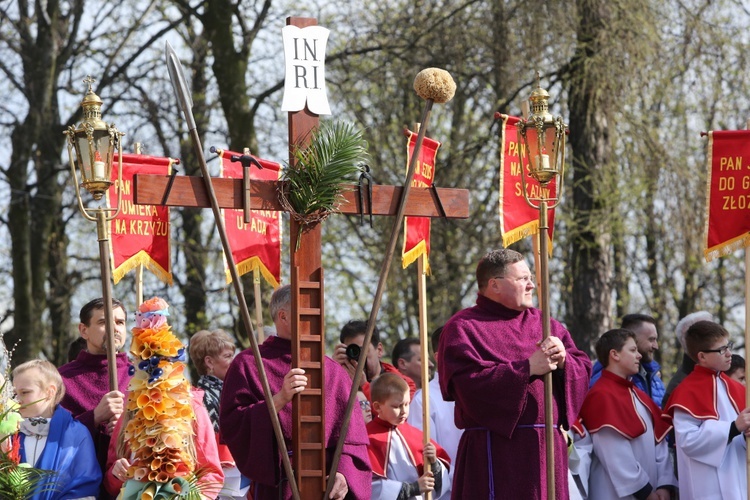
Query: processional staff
x,y
432,85
544,140
185,101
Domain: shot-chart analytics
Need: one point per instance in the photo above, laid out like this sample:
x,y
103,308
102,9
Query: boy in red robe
x,y
397,452
631,459
709,416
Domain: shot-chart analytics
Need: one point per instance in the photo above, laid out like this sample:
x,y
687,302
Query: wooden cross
x,y
308,327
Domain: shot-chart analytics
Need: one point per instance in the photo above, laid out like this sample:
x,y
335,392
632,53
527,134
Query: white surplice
x,y
710,467
620,466
443,428
401,470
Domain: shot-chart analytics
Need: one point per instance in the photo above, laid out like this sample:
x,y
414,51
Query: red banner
x,y
517,218
417,229
256,244
727,192
140,233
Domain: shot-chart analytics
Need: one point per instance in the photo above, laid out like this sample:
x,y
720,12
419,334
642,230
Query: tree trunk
x,y
195,243
590,238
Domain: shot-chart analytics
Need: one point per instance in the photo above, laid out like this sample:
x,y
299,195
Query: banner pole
x,y
137,149
258,306
424,352
139,284
747,342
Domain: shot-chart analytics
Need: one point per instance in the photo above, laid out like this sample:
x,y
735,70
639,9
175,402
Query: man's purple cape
x,y
252,440
86,381
483,365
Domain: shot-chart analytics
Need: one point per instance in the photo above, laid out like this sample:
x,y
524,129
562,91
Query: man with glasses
x,y
491,360
709,415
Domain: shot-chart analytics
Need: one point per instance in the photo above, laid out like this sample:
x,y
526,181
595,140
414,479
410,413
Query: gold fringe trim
x,y
144,259
728,247
250,265
412,255
520,233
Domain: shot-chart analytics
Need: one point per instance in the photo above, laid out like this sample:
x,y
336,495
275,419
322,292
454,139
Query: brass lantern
x,y
94,143
91,147
544,140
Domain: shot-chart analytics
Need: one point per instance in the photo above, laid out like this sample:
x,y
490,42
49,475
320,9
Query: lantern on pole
x,y
544,160
91,150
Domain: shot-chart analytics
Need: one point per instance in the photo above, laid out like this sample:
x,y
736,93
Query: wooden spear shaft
x,y
183,97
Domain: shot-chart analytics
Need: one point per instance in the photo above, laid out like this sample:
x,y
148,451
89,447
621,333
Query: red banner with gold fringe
x,y
517,218
727,192
256,244
139,233
417,229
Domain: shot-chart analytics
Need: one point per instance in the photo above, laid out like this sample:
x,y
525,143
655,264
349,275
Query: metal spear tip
x,y
177,76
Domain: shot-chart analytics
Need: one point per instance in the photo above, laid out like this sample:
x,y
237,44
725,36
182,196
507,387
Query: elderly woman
x,y
212,352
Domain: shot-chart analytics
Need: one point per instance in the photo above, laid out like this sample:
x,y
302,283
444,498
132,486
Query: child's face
x,y
364,405
714,360
739,375
395,409
34,400
628,358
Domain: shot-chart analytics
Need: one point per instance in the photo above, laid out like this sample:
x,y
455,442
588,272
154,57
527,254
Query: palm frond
x,y
332,159
20,483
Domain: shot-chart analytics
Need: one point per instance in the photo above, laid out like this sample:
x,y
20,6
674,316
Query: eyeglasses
x,y
721,350
529,278
365,405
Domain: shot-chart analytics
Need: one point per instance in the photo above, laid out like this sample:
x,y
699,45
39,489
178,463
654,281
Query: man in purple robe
x,y
491,361
252,440
87,394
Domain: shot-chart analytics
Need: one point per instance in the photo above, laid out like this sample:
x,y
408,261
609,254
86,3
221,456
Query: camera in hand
x,y
352,351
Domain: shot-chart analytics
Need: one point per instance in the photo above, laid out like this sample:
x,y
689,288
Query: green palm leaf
x,y
320,171
20,483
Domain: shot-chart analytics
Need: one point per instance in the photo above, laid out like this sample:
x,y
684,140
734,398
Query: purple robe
x,y
86,381
252,440
483,366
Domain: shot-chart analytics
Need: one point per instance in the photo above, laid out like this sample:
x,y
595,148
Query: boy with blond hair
x,y
709,416
397,452
630,455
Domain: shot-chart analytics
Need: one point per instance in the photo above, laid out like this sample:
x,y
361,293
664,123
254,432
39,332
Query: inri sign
x,y
304,60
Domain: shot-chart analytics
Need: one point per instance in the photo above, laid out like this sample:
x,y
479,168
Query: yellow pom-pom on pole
x,y
432,85
436,84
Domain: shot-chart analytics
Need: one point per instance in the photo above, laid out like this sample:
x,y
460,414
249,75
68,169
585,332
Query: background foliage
x,y
636,80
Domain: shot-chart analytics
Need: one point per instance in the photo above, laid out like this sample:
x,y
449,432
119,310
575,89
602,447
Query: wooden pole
x,y
139,268
747,343
102,230
549,430
139,284
395,232
183,97
425,353
258,306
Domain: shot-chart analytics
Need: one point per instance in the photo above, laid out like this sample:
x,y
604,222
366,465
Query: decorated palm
x,y
315,182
